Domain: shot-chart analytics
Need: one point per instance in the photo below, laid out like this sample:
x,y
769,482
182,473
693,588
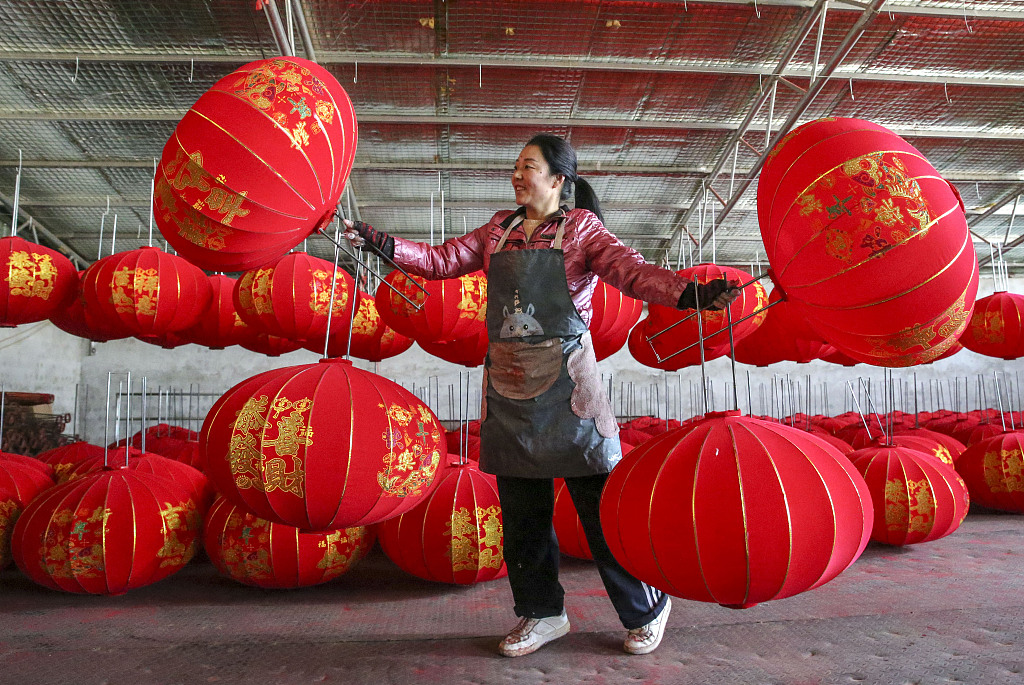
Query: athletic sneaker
x,y
645,639
533,633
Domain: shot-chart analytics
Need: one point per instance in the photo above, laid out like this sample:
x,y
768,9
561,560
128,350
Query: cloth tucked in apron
x,y
544,413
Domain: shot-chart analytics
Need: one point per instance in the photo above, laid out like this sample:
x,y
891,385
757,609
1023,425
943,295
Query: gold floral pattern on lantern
x,y
251,438
1004,470
192,226
410,463
475,544
178,518
75,551
992,328
473,304
341,549
320,294
909,506
9,512
31,274
135,291
284,91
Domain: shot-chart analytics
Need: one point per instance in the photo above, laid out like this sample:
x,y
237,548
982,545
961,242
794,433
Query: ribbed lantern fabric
x,y
714,323
62,459
572,539
916,497
455,535
256,165
35,281
146,291
322,446
469,351
451,308
867,241
735,510
372,339
219,325
292,297
994,472
20,483
614,315
270,555
106,533
76,319
671,360
996,328
780,337
949,448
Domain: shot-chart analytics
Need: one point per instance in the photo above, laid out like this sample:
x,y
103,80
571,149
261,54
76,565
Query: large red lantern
x,y
916,497
76,319
36,282
107,533
450,308
219,326
322,446
714,323
455,535
735,510
264,554
292,297
146,291
572,539
868,242
996,328
256,164
19,485
994,472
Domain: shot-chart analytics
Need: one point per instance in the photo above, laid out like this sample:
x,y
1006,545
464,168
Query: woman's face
x,y
533,181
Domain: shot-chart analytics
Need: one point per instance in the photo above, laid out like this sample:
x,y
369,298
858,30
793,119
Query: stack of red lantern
x,y
614,315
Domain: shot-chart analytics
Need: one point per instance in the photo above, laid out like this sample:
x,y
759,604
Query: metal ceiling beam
x,y
63,247
951,78
522,122
427,166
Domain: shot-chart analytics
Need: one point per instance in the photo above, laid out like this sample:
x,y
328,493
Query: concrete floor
x,y
949,611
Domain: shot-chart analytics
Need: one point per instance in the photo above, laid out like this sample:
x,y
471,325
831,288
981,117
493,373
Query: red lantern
x,y
782,336
572,539
641,349
169,341
916,497
943,447
19,485
713,323
146,291
257,552
219,326
994,472
256,164
62,459
996,328
322,446
455,535
868,242
76,319
107,533
37,282
451,308
291,298
768,511
270,345
371,338
614,314
469,351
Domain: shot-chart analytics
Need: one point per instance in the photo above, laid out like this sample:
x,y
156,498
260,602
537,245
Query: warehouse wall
x,y
41,358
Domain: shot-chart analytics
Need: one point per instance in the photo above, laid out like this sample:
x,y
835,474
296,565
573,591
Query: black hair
x,y
561,159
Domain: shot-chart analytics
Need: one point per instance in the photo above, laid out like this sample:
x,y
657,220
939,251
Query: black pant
x,y
531,550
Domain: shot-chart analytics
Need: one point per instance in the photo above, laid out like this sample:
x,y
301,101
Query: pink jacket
x,y
591,251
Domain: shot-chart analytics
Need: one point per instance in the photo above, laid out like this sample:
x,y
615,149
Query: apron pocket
x,y
522,371
588,399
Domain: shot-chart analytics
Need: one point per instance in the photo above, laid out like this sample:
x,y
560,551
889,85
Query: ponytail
x,y
586,198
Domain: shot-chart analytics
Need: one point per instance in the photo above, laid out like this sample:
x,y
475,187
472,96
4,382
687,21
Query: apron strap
x,y
555,245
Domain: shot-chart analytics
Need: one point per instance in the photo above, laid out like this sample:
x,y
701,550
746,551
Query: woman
x,y
544,413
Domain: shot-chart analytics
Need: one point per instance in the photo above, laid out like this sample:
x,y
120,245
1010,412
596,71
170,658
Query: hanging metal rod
x,y
63,247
